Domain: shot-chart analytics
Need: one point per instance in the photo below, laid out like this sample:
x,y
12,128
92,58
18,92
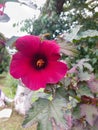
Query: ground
x,y
15,121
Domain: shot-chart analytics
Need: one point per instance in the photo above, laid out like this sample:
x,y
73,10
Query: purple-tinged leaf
x,y
80,64
84,76
78,127
88,66
95,124
93,85
44,110
67,48
90,112
68,118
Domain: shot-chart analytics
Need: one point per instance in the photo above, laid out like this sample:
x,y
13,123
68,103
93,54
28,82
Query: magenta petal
x,y
52,74
50,49
34,81
55,72
28,44
20,65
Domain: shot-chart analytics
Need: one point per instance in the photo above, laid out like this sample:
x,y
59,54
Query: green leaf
x,y
79,66
76,112
88,66
10,42
85,34
90,112
84,90
84,76
44,110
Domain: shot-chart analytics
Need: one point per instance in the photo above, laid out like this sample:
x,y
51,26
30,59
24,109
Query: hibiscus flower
x,y
36,62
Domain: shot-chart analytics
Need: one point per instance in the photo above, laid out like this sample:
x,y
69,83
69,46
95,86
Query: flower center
x,y
40,63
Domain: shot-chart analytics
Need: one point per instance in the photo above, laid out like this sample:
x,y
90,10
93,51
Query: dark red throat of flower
x,y
39,61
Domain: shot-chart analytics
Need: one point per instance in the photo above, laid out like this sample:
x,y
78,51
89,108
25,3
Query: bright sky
x,y
17,12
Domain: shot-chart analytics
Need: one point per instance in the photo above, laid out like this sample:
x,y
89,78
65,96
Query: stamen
x,y
40,63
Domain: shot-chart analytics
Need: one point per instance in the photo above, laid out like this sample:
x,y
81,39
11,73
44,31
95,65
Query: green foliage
x,y
88,49
11,85
87,34
4,60
85,112
44,111
4,56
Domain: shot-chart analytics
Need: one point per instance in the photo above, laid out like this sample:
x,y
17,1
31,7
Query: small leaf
x,y
84,76
67,47
83,90
76,112
93,85
65,82
44,110
90,112
88,66
79,65
11,42
77,125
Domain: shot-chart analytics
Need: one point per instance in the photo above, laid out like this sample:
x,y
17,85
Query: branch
x,y
59,5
